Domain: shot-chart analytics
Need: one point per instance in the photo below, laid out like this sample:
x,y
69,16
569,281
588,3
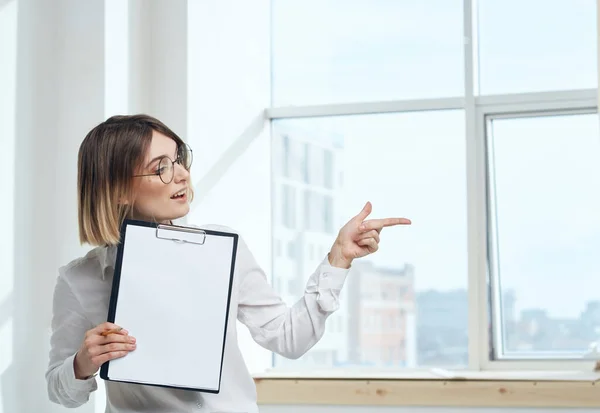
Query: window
x,y
486,138
412,151
306,163
318,211
365,51
533,56
328,214
295,158
285,156
288,206
328,169
315,165
544,181
292,249
292,286
278,248
401,291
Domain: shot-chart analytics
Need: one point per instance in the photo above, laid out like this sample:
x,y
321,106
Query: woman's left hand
x,y
359,238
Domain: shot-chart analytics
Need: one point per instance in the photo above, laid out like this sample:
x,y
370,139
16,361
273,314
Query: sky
x,y
413,165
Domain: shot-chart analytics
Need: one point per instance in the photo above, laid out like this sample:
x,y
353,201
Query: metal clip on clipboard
x,y
181,234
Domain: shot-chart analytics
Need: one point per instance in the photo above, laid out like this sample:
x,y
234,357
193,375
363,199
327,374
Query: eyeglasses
x,y
166,167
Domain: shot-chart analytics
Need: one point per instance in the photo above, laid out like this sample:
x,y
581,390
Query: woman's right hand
x,y
97,349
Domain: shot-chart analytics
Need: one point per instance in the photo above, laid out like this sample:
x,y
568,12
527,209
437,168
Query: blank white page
x,y
173,299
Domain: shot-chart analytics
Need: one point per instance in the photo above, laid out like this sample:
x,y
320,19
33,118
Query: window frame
x,y
478,111
548,105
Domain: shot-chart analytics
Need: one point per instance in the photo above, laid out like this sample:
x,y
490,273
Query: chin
x,y
180,213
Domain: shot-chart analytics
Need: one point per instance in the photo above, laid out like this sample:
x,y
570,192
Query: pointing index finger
x,y
377,224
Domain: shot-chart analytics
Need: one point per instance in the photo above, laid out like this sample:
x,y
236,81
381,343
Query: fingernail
x,y
132,339
362,227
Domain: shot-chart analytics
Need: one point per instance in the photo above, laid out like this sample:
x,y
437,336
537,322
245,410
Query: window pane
x,y
406,305
288,206
537,45
544,186
350,50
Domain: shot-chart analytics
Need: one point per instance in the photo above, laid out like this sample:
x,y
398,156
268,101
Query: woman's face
x,y
153,199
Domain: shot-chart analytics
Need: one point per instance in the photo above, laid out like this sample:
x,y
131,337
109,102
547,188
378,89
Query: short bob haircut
x,y
109,156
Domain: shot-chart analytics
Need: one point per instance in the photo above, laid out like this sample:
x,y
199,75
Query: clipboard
x,y
172,291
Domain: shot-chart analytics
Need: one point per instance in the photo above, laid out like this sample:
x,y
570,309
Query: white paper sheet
x,y
173,299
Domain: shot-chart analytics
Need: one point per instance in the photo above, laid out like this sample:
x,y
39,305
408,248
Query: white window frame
x,y
478,109
583,102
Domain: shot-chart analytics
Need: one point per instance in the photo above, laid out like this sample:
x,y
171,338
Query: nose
x,y
181,174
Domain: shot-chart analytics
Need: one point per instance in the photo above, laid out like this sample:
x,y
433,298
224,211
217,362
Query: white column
x,y
60,96
158,65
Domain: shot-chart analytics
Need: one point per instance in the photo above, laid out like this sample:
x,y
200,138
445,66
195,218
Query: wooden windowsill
x,y
426,392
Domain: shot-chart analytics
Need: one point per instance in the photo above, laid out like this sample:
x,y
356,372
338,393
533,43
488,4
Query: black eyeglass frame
x,y
178,160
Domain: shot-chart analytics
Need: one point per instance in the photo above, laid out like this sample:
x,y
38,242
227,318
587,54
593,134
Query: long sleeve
x,y
68,330
287,331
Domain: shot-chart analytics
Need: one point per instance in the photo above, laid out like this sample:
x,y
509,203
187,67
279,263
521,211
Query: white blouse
x,y
81,300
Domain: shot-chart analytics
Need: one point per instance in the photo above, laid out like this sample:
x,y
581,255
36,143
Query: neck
x,y
151,219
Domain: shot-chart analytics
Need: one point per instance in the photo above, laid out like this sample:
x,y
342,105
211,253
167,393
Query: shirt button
x,y
199,405
325,275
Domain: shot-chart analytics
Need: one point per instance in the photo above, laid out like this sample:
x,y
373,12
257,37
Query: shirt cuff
x,y
80,387
331,277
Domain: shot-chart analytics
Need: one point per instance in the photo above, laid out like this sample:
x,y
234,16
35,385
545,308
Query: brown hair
x,y
108,158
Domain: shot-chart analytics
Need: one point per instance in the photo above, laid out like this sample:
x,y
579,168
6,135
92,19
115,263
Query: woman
x,y
134,166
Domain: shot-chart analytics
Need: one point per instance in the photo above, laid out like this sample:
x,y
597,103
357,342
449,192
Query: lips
x,y
179,194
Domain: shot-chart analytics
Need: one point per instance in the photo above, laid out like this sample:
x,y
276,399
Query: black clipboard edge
x,y
114,294
164,386
112,307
